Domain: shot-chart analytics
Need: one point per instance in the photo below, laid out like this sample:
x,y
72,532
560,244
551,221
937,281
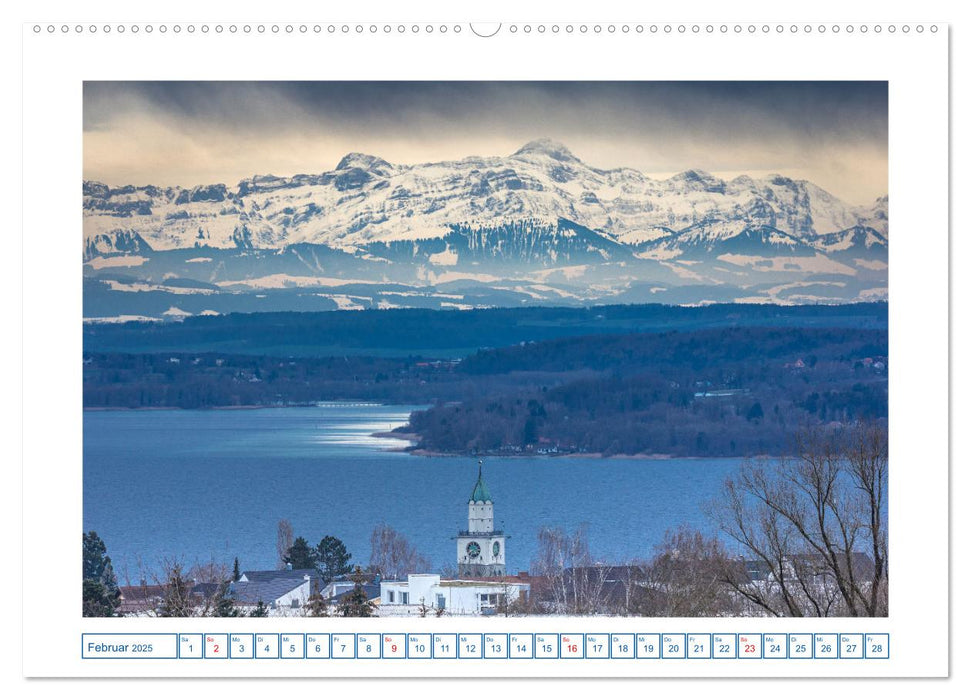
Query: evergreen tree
x,y
530,434
260,610
236,571
332,558
96,601
100,596
316,605
300,555
94,554
755,413
356,603
225,606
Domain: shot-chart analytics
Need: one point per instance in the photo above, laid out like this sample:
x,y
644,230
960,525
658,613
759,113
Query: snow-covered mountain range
x,y
538,226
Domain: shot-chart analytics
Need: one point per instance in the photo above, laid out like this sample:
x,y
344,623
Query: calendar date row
x,y
486,646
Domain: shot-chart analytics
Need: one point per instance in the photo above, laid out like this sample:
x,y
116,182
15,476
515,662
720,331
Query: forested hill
x,y
726,392
448,334
709,381
742,350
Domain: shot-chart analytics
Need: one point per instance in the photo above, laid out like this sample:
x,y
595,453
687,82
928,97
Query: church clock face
x,y
495,549
473,550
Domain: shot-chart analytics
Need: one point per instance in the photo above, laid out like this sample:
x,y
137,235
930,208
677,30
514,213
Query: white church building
x,y
480,553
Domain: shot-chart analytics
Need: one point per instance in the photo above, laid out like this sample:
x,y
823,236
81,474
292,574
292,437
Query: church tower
x,y
481,548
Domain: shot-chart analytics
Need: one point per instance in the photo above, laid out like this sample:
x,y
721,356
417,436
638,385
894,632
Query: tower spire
x,y
480,492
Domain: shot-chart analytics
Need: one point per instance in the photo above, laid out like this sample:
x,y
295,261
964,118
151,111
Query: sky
x,y
191,133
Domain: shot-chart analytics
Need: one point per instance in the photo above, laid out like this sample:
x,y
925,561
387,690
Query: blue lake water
x,y
201,485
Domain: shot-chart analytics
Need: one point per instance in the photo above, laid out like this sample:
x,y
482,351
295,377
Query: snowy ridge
x,y
367,199
486,218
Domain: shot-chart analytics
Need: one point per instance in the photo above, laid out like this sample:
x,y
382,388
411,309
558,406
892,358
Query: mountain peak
x,y
693,175
547,147
699,180
365,162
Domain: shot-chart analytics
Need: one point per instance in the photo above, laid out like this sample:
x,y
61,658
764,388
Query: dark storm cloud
x,y
834,133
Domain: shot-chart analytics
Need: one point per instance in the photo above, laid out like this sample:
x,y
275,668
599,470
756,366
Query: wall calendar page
x,y
447,348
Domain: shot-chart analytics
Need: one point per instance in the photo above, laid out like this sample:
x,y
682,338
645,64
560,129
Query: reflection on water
x,y
362,434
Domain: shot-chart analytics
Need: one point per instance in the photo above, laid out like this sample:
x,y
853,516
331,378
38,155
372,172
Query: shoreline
x,y
104,409
654,456
413,438
245,407
391,435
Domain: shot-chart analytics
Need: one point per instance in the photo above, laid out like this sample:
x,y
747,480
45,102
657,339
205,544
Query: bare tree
x,y
209,572
814,526
176,596
284,541
632,586
210,590
573,581
506,605
524,604
393,556
172,589
684,579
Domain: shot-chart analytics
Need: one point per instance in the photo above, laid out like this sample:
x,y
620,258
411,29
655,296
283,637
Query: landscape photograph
x,y
439,349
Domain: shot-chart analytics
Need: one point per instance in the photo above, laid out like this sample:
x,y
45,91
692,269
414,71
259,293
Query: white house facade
x,y
428,593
